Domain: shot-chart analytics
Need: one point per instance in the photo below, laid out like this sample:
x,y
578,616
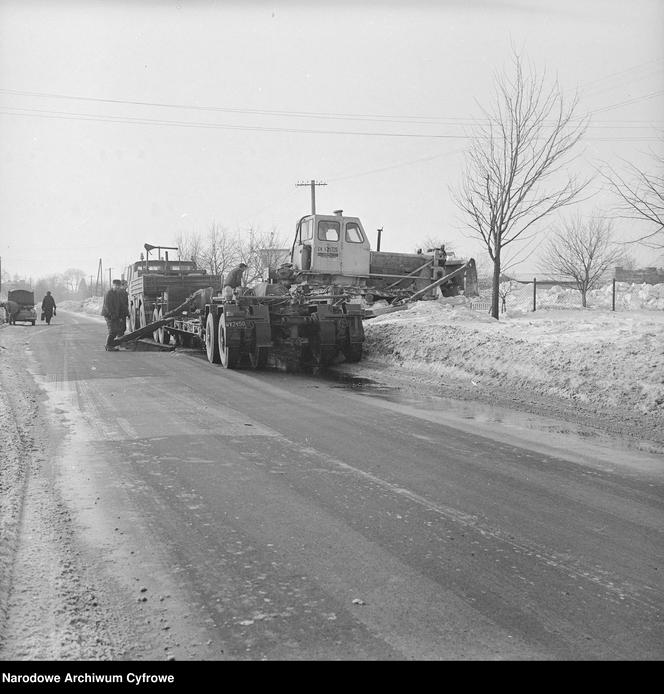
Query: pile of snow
x,y
593,356
629,297
90,307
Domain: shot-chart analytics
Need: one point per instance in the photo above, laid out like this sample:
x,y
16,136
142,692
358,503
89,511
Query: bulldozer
x,y
334,251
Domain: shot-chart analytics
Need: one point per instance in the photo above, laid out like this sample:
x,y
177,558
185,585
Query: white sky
x,y
241,101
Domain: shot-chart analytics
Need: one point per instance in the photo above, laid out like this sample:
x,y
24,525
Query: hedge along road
x,y
165,507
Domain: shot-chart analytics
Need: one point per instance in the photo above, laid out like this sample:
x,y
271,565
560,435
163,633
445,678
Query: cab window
x,y
353,233
328,230
306,230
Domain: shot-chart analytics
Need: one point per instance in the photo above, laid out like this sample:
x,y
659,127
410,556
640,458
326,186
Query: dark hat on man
x,y
117,282
242,265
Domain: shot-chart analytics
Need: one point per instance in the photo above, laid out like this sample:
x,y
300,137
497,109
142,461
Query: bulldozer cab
x,y
331,244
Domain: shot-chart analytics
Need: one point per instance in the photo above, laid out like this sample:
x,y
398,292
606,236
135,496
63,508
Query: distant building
x,y
647,275
543,281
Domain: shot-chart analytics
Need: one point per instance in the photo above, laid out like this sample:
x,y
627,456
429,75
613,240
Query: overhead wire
x,y
364,117
68,115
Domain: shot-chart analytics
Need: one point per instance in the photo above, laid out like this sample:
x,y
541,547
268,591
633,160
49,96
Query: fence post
x,y
534,293
613,296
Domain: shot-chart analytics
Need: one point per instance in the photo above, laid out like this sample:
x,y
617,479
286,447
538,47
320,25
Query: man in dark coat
x,y
125,299
114,311
48,308
234,280
12,309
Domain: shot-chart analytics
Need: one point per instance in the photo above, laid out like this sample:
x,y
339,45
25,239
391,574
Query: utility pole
x,y
313,185
99,286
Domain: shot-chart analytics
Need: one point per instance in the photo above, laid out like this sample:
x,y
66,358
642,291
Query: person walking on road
x,y
114,311
48,308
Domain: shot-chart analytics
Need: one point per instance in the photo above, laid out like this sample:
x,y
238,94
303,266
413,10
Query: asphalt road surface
x,y
265,515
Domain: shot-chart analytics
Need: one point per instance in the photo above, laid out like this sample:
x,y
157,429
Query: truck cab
x,y
331,244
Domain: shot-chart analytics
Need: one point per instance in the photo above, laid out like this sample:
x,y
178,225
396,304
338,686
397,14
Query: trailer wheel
x,y
353,352
211,344
321,355
158,334
229,356
258,358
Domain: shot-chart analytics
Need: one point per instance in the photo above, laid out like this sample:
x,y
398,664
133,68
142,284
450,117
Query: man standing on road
x,y
12,309
114,311
234,280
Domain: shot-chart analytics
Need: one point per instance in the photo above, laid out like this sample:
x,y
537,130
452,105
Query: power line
x,y
628,102
65,115
245,111
629,70
381,118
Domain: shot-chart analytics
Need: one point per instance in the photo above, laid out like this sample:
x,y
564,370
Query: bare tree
x,y
222,250
504,290
72,278
582,251
219,250
641,196
523,144
262,251
190,247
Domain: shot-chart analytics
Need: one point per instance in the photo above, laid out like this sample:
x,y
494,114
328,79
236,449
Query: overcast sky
x,y
123,123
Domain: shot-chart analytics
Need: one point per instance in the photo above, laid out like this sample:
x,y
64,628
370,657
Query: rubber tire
x,y
259,357
164,336
353,352
322,356
211,340
155,317
228,357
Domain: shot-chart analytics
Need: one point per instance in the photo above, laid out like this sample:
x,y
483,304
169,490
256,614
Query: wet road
x,y
287,516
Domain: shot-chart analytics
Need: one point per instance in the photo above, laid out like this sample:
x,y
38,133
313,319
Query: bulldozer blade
x,y
373,312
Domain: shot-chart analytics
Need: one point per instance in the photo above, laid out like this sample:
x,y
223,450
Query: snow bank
x,y
90,307
628,297
599,357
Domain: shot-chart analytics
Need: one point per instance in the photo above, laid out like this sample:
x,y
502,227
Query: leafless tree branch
x,y
582,251
510,181
641,197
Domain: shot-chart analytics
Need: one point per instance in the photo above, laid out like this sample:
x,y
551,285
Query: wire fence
x,y
615,296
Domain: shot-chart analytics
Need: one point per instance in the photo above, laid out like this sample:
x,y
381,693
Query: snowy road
x,y
176,509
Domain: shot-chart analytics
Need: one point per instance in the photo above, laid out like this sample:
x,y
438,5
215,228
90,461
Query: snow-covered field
x,y
609,364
